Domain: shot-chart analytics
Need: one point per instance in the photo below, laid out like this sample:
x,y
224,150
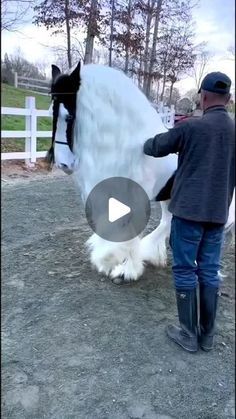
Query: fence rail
x,y
32,84
167,114
30,134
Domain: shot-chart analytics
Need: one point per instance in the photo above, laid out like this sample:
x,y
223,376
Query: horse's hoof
x,y
121,280
118,280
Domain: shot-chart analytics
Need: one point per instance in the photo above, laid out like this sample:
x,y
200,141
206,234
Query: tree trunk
x,y
126,69
171,92
154,46
112,31
127,47
91,32
163,88
147,40
88,56
158,88
140,70
68,34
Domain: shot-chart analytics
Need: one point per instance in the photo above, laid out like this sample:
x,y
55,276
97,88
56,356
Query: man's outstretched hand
x,y
148,147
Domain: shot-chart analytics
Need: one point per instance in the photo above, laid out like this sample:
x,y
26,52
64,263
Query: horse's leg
x,y
104,255
116,259
152,249
132,267
153,246
126,259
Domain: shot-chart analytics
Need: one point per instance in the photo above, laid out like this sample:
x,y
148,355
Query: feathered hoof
x,y
154,253
121,281
126,272
102,269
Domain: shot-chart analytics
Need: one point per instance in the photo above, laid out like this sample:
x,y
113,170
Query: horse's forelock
x,y
61,85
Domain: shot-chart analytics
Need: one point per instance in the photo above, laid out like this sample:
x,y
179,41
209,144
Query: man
x,y
201,195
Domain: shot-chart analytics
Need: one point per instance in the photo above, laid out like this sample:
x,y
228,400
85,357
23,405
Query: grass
x,y
15,98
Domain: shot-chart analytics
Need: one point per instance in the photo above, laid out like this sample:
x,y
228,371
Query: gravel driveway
x,y
75,345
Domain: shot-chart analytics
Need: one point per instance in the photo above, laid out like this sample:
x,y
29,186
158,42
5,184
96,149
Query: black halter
x,y
64,90
69,104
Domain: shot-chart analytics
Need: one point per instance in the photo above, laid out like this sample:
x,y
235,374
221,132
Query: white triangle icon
x,y
116,209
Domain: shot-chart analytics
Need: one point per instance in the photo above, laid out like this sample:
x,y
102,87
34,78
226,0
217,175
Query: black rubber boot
x,y
208,307
186,335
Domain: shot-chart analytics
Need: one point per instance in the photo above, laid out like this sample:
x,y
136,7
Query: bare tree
x,y
17,63
200,67
176,54
68,32
111,32
183,57
132,31
128,35
160,16
125,35
192,94
60,15
175,96
77,48
14,13
60,53
147,10
92,31
157,12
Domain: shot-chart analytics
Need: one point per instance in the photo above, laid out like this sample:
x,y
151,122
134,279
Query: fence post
x,y
166,113
15,79
31,125
172,115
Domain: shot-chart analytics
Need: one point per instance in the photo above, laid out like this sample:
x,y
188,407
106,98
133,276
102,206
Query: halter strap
x,y
69,131
61,142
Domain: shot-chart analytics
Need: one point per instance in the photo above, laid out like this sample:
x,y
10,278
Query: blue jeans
x,y
196,249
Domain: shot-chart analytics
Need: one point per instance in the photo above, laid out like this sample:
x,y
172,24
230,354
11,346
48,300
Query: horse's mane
x,y
108,92
113,120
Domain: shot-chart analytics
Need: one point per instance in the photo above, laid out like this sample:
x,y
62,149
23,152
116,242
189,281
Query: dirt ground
x,y
75,345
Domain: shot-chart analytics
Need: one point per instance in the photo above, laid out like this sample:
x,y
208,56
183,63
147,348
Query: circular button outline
x,y
126,191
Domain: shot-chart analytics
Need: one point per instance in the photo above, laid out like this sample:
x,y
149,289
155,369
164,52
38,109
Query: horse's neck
x,y
111,128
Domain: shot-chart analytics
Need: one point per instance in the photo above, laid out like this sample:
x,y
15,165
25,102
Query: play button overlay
x,y
117,209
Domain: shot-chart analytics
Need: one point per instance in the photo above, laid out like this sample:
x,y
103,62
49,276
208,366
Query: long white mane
x,y
113,120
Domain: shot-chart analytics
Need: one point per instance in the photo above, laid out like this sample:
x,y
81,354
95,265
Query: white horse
x,y
100,123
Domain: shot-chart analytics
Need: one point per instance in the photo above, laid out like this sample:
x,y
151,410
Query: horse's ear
x,y
75,76
55,71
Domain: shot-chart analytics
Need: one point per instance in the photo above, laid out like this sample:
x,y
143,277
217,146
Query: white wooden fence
x,y
167,114
30,134
38,85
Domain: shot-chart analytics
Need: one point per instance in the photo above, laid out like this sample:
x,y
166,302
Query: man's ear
x,y
75,76
55,71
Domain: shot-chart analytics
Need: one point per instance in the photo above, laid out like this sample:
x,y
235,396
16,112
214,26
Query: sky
x,y
215,25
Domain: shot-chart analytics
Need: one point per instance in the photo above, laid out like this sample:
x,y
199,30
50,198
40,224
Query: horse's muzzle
x,y
65,169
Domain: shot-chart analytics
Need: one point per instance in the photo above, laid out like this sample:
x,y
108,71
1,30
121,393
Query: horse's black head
x,y
64,90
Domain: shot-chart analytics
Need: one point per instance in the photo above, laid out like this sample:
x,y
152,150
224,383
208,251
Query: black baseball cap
x,y
216,82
